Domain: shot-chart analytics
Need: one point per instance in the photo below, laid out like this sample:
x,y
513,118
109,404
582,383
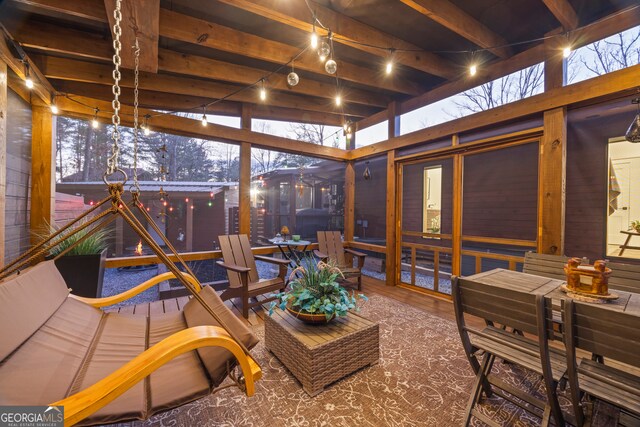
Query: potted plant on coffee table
x,y
314,295
83,266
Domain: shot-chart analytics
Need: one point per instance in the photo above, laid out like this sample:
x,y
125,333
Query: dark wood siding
x,y
588,132
501,193
16,233
371,199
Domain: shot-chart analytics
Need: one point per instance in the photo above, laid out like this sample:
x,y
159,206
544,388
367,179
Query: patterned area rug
x,y
423,379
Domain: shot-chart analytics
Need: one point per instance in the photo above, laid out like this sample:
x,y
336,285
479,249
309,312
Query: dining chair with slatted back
x,y
522,311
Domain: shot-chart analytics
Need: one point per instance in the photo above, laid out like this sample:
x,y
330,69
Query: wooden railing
x,y
187,256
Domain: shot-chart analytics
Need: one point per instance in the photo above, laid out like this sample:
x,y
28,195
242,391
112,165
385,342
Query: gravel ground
x,y
117,281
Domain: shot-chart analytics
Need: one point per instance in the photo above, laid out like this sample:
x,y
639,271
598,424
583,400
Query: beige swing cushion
x,y
54,346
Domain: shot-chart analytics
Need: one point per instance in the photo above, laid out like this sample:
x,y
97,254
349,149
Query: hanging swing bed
x,y
106,367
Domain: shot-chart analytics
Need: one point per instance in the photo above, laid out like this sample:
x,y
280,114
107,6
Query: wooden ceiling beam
x,y
184,28
189,127
54,38
564,13
457,20
348,31
42,88
70,69
597,30
185,103
140,21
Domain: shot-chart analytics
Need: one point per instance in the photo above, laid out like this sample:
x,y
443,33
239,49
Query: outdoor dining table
x,y
291,253
627,302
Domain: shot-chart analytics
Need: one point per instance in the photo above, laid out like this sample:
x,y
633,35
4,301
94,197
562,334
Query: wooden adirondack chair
x,y
332,250
244,281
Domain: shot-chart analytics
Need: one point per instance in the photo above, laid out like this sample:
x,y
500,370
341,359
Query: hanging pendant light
x,y
633,133
367,173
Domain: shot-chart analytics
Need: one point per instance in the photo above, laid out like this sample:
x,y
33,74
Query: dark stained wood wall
x,y
370,200
500,193
588,132
16,232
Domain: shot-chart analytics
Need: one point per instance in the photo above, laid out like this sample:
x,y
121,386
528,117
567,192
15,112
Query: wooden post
x,y
293,191
349,200
392,223
244,203
551,186
43,176
189,224
3,151
456,232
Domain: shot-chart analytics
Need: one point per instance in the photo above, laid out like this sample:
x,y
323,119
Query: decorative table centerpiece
x,y
314,295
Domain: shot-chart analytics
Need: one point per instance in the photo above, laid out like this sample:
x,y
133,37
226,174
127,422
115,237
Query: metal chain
x,y
112,162
136,122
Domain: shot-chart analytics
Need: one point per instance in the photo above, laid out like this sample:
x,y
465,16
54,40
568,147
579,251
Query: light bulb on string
x,y
28,81
324,50
331,66
314,38
292,77
389,65
263,92
473,70
566,50
95,123
338,100
54,109
145,125
204,117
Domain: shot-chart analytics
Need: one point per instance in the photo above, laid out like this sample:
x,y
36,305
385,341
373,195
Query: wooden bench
x,y
613,335
523,311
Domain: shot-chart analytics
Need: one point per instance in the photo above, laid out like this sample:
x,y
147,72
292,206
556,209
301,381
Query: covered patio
x,y
447,143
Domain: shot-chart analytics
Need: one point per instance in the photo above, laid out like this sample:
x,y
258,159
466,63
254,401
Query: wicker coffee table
x,y
318,355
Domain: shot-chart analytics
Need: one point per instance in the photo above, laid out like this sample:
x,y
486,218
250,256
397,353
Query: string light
x,y
389,65
314,38
204,117
324,50
95,123
54,109
263,91
145,125
338,100
473,69
566,52
28,80
292,77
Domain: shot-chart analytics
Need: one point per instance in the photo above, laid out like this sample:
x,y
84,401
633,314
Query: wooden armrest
x,y
320,254
115,299
356,253
82,404
272,260
233,267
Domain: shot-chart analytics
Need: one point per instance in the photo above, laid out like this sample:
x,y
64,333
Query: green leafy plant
x,y
94,244
636,225
314,289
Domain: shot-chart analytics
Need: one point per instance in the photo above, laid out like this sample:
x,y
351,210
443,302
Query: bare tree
x,y
308,132
501,91
613,53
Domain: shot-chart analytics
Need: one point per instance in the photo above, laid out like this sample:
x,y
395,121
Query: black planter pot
x,y
83,273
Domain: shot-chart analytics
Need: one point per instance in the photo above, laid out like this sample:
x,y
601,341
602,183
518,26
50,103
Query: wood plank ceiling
x,y
194,52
